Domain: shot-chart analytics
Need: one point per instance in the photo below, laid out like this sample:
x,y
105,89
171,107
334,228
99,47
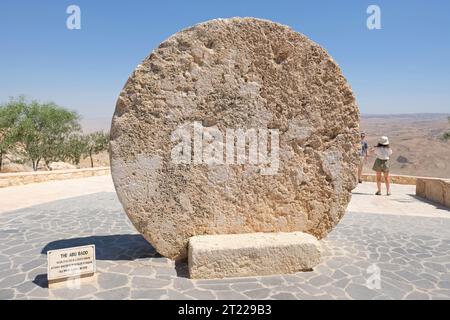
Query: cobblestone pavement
x,y
412,252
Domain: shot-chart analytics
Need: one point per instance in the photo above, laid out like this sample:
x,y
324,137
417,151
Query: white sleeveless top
x,y
383,153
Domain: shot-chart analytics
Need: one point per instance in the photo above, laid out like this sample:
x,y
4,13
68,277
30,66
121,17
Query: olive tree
x,y
76,148
96,143
44,130
10,115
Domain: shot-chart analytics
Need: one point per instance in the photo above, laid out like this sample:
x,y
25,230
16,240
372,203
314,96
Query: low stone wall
x,y
437,190
396,179
21,178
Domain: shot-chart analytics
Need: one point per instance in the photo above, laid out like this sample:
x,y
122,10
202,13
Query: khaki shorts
x,y
381,165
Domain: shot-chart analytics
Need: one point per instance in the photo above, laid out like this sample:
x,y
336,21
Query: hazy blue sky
x,y
402,68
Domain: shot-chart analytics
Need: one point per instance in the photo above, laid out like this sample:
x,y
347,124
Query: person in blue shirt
x,y
362,155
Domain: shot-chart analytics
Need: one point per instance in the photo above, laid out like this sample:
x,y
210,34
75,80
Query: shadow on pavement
x,y
364,193
182,268
41,280
435,204
110,247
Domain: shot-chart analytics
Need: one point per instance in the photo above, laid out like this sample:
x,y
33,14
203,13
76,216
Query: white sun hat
x,y
384,141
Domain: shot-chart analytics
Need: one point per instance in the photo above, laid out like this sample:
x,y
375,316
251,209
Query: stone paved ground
x,y
406,238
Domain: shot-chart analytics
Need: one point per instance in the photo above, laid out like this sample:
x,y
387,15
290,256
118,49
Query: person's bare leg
x,y
387,182
379,181
360,168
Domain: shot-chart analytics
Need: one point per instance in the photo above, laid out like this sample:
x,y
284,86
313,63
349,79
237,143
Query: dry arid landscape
x,y
415,140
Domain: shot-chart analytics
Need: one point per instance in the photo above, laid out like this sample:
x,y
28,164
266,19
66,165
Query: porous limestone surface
x,y
179,164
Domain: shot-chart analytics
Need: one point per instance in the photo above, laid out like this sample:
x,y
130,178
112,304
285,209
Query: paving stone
x,y
289,278
114,294
272,281
39,292
351,270
12,281
435,266
444,284
258,293
7,272
336,292
142,271
72,293
444,292
200,294
214,287
444,277
342,283
320,281
403,285
165,271
305,296
417,296
338,274
284,296
388,266
6,294
360,292
407,275
424,284
226,280
308,289
175,295
112,280
230,295
16,249
33,264
124,269
25,287
392,291
182,284
246,286
142,282
149,294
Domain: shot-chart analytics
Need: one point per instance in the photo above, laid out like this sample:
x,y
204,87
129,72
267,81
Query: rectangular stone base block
x,y
251,254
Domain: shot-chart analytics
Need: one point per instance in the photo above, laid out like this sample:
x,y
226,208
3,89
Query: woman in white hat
x,y
382,152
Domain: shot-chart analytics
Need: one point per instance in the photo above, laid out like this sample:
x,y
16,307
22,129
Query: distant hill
x,y
418,116
415,140
96,124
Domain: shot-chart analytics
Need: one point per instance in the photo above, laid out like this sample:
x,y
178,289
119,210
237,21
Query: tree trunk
x,y
92,160
35,164
1,160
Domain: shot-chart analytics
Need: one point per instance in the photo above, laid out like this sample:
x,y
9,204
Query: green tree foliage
x,y
10,116
44,130
96,143
76,148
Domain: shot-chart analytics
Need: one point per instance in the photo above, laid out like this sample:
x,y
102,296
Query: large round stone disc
x,y
234,126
